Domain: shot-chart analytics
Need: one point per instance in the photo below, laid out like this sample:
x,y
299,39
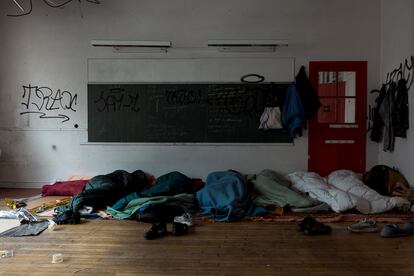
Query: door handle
x,y
339,141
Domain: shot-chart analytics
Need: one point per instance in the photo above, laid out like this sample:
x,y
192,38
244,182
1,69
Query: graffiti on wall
x,y
47,103
26,6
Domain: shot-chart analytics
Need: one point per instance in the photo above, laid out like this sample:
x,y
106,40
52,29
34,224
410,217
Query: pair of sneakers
x,y
159,230
388,231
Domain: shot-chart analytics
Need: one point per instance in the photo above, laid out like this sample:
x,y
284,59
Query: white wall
x,y
50,48
397,42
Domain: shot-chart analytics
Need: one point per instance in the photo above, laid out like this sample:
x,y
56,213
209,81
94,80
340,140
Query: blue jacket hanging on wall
x,y
293,115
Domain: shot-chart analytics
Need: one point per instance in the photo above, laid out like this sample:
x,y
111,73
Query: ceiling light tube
x,y
131,43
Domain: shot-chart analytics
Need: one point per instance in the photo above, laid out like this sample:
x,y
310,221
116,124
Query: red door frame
x,y
315,128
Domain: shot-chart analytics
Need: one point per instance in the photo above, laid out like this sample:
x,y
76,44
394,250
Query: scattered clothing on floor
x,y
28,229
226,197
364,226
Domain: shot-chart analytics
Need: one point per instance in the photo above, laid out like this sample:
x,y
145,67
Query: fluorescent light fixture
x,y
131,43
247,45
17,4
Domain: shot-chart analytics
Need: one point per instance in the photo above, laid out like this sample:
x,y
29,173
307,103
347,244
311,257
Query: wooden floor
x,y
240,248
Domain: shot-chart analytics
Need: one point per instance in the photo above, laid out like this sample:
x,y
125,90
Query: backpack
x,y
388,182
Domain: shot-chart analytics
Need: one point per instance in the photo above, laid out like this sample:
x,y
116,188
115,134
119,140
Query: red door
x,y
337,133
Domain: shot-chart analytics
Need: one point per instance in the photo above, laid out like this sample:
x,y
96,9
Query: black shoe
x,y
309,226
67,217
179,229
156,231
306,223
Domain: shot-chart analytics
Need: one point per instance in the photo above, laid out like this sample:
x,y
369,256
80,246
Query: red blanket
x,y
64,188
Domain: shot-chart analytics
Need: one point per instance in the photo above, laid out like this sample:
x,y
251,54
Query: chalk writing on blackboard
x,y
181,112
116,99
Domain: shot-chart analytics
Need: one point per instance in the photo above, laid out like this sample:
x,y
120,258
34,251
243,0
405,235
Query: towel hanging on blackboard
x,y
270,118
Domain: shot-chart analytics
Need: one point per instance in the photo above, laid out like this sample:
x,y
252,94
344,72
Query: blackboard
x,y
182,112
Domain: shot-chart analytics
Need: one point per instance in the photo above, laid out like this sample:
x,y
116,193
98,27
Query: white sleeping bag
x,y
316,187
352,184
344,190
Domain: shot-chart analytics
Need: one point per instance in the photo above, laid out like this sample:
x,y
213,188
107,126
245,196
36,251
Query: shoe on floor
x,y
409,226
392,230
364,226
318,229
309,226
306,223
67,217
156,231
179,229
184,219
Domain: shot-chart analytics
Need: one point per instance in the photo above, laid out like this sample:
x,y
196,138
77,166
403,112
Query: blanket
x,y
226,197
187,201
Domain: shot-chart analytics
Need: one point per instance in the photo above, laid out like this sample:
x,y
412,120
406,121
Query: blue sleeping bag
x,y
226,197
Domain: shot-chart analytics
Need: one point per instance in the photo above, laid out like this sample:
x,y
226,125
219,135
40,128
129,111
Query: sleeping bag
x,y
105,190
343,190
226,197
269,188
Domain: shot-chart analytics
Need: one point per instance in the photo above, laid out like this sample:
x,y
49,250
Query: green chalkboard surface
x,y
180,112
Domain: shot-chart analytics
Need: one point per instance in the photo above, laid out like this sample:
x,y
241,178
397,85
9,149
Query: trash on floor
x,y
6,253
57,258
